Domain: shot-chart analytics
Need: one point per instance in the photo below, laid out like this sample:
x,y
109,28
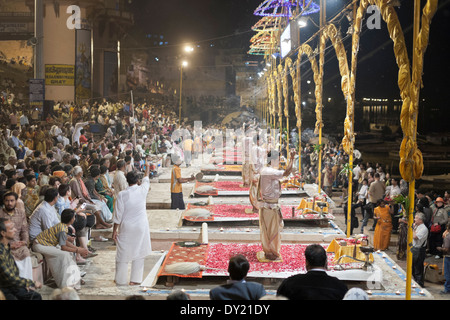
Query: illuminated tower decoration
x,y
263,41
284,8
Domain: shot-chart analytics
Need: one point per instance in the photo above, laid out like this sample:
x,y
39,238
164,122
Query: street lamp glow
x,y
184,63
188,49
302,22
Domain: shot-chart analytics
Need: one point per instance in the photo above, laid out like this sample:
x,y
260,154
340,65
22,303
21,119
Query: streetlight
x,y
302,22
188,49
183,64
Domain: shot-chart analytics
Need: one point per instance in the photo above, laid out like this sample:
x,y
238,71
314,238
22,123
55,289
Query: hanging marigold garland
x,y
411,159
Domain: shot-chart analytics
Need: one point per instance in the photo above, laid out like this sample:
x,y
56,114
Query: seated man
x,y
58,248
316,284
18,246
237,288
45,215
12,285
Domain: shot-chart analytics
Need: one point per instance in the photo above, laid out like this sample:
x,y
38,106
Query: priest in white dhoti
x,y
257,161
247,144
270,219
131,230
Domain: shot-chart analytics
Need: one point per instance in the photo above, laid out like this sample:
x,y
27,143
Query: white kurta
x,y
133,240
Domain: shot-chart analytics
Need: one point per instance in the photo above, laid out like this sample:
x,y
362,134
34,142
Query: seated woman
x,y
97,207
101,186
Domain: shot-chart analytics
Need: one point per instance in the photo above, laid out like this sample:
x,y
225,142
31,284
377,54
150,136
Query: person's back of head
x,y
238,267
134,297
356,294
51,194
315,256
132,178
178,295
121,164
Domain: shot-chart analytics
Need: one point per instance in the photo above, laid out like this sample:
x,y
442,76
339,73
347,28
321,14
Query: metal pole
x,y
181,87
350,160
299,59
322,22
412,184
39,35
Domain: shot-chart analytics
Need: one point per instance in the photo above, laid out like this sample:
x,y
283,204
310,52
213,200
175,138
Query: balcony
x,y
116,16
16,25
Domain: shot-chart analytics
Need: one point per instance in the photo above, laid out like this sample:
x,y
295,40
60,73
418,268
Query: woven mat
x,y
226,168
185,254
239,211
210,193
220,186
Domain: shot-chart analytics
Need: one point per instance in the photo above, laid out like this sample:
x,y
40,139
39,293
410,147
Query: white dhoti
x,y
103,207
25,268
62,265
137,272
133,240
270,224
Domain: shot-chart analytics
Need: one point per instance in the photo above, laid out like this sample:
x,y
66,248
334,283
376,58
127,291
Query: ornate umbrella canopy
x,y
284,8
267,23
262,38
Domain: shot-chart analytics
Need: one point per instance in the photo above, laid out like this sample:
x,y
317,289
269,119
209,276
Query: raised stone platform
x,y
166,227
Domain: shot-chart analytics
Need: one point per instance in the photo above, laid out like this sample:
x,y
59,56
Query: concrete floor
x,y
166,227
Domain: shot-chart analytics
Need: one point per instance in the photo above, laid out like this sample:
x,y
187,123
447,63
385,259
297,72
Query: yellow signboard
x,y
59,75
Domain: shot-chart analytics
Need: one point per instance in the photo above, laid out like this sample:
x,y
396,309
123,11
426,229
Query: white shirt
x,y
392,191
76,132
130,212
258,158
356,172
362,194
119,182
422,234
270,183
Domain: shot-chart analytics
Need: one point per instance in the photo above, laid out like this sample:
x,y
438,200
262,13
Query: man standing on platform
x,y
269,191
176,181
247,142
420,236
376,192
256,164
131,231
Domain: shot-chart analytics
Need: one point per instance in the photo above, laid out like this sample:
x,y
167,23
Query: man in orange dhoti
x,y
270,218
382,235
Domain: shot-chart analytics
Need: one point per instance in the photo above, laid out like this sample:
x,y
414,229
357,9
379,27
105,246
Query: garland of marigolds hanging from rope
x,y
411,159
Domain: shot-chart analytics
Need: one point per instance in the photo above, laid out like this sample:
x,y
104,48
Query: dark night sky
x,y
198,20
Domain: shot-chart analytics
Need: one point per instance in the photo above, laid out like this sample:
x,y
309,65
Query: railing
x,y
17,14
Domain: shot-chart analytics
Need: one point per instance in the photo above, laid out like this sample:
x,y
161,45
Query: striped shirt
x,y
54,235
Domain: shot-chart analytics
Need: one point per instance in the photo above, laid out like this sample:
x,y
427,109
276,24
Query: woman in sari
x,y
102,189
382,235
40,142
29,138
